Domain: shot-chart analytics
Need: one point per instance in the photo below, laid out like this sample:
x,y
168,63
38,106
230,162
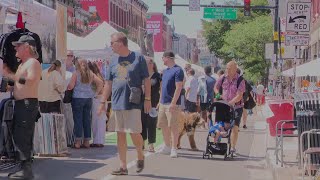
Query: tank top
x,y
82,90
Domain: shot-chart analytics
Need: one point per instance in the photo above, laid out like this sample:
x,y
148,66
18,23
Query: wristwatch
x,y
147,99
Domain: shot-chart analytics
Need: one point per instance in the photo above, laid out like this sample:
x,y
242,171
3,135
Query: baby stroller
x,y
224,113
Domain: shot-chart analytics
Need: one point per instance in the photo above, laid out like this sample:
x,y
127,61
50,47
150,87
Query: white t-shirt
x,y
191,83
260,89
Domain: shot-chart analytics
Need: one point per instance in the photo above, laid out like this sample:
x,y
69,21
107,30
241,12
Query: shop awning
x,y
310,68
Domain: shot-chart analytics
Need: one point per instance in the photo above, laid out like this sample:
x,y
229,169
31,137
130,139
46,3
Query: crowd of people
x,y
142,99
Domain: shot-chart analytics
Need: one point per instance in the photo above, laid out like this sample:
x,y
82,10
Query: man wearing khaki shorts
x,y
126,73
172,82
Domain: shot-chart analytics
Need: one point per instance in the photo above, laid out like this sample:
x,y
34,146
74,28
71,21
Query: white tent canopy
x,y
96,43
179,61
310,68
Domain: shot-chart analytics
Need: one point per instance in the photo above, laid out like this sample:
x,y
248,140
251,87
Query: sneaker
x,y
140,166
120,171
173,153
245,127
165,150
216,147
25,172
233,150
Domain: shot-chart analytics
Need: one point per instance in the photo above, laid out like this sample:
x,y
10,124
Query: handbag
x,y
250,104
67,96
135,95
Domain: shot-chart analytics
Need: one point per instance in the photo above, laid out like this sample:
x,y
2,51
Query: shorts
x,y
128,121
166,118
238,115
191,106
204,106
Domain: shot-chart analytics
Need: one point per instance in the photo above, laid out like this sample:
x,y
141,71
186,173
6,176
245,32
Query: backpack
x,y
238,83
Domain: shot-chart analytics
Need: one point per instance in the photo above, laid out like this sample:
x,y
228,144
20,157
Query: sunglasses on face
x,y
69,55
112,42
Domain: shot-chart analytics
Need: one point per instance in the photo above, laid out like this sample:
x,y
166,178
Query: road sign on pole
x,y
194,5
220,13
297,40
298,16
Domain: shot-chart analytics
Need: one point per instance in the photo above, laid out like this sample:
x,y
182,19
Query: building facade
x,y
158,25
181,46
128,16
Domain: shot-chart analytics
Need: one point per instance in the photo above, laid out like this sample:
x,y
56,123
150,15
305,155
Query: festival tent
x,y
310,68
179,61
97,43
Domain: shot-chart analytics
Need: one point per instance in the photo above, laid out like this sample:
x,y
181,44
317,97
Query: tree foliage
x,y
243,39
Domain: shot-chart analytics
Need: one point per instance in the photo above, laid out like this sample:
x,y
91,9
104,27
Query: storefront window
x,y
49,3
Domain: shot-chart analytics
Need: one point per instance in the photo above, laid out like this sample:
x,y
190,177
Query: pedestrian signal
x,y
247,7
168,7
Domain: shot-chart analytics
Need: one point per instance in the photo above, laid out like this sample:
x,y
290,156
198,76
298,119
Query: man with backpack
x,y
205,92
249,102
231,86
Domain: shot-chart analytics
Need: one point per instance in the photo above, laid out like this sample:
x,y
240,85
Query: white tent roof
x,y
310,68
98,39
179,61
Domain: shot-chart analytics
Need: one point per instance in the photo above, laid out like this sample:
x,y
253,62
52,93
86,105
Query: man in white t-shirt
x,y
260,94
191,87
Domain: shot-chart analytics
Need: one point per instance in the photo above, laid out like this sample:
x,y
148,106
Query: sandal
x,y
84,146
76,145
99,145
93,145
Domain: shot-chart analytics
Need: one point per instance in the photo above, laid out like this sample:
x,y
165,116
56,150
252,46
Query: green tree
x,y
246,43
215,30
243,39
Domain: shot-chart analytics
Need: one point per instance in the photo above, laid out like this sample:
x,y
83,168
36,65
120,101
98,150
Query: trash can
x,y
282,110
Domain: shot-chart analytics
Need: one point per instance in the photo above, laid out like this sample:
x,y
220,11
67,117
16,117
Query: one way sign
x,y
298,16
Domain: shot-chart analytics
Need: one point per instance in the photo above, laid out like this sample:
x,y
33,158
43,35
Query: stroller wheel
x,y
203,155
231,155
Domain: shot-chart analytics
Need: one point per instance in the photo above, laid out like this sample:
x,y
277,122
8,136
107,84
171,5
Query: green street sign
x,y
220,13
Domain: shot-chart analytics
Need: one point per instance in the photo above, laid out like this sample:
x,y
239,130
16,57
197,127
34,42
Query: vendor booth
x,y
96,44
179,61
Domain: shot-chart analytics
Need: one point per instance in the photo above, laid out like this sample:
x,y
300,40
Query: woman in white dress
x,y
98,122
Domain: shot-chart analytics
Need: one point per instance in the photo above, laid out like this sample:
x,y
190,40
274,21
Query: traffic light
x,y
247,8
168,7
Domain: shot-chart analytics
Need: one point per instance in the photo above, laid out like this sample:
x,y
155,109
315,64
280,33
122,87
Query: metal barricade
x,y
280,137
306,154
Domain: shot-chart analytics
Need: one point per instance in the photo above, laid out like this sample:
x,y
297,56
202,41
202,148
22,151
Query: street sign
x,y
298,16
297,40
220,13
276,36
194,5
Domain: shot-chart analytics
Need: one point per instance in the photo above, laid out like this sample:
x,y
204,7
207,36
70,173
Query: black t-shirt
x,y
155,89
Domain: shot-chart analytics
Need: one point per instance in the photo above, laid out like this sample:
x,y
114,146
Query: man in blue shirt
x,y
125,72
170,100
205,92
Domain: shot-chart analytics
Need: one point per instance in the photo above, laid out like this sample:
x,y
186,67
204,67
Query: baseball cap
x,y
25,39
168,54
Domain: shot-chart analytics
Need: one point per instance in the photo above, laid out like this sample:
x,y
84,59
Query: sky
x,y
185,21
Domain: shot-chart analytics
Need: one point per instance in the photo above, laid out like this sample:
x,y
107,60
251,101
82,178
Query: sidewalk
x,y
87,164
